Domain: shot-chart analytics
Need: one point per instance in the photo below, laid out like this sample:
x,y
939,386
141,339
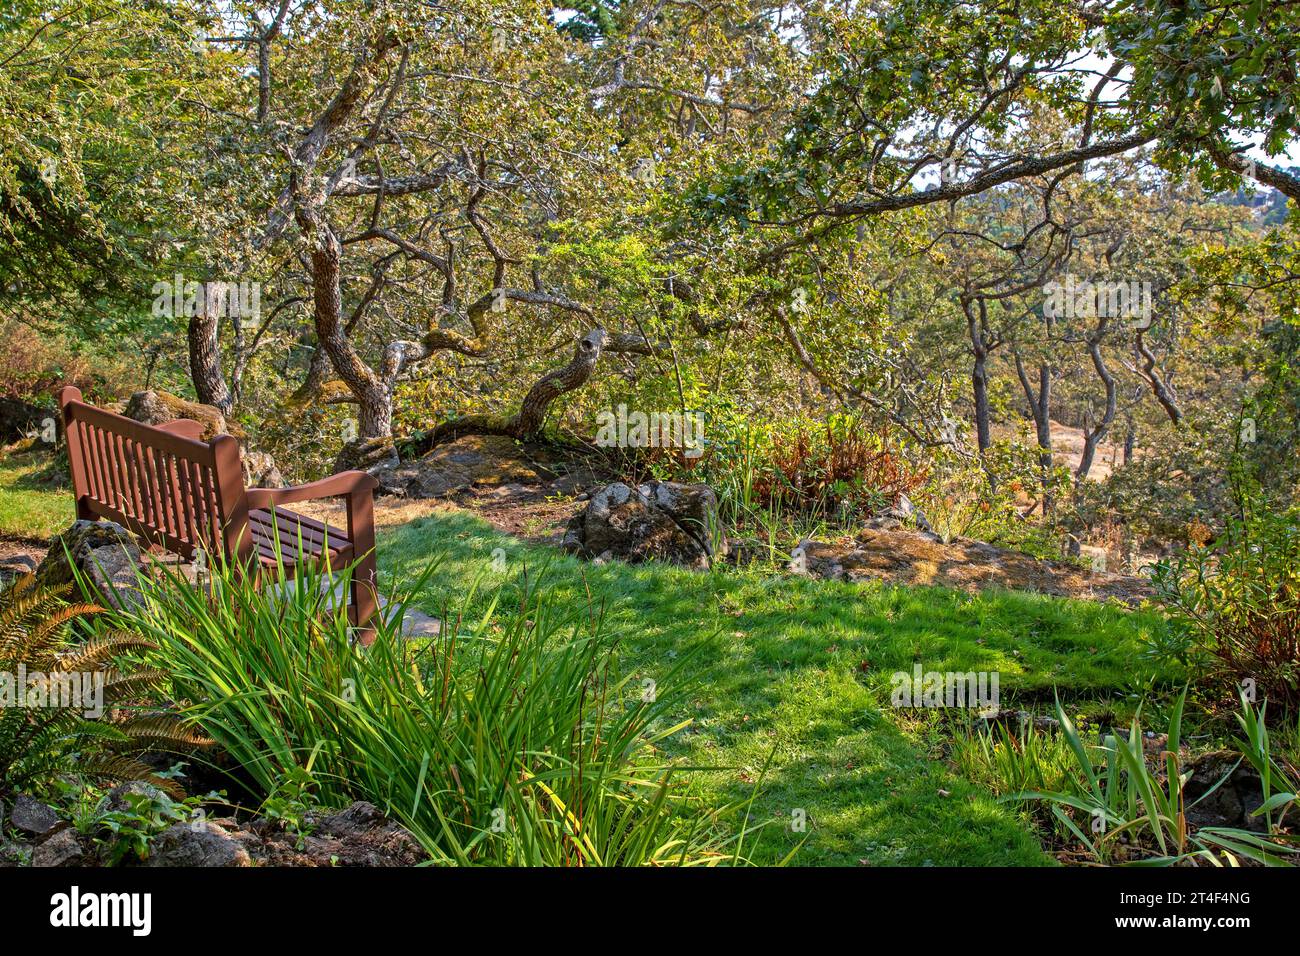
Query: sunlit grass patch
x,y
799,670
30,507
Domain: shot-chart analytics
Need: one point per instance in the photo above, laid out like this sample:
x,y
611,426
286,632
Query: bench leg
x,y
365,601
365,587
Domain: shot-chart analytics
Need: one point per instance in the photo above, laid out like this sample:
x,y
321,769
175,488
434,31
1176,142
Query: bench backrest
x,y
170,489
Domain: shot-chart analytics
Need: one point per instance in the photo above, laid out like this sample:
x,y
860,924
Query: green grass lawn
x,y
788,668
29,506
799,670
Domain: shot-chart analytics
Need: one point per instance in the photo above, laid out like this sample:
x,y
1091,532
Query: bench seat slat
x,y
290,524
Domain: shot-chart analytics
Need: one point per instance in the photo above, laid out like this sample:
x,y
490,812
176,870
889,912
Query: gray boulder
x,y
197,843
664,521
103,551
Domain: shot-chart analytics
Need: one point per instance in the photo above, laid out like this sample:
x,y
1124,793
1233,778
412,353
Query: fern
x,y
40,744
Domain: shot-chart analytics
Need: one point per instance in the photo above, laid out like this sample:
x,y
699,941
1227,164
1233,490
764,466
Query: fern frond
x,y
118,687
50,632
101,649
119,769
163,730
26,614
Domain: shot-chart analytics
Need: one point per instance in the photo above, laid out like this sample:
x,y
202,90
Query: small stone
x,y
32,816
62,849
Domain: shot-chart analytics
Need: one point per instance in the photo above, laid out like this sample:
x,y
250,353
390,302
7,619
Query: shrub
x,y
503,743
1237,601
790,482
961,505
847,470
36,363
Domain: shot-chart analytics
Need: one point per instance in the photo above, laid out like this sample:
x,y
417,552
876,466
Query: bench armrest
x,y
335,486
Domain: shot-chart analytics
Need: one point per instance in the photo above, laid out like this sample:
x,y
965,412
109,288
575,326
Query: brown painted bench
x,y
188,496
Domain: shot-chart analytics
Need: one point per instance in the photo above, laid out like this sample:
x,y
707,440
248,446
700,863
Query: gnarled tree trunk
x,y
373,393
528,422
1092,435
205,360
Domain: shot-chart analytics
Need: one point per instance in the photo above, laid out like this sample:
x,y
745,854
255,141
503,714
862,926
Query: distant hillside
x,y
1268,204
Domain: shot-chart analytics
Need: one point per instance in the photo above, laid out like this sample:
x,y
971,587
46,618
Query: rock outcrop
x,y
900,556
474,461
359,835
158,408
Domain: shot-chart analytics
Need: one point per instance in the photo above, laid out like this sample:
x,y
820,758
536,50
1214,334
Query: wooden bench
x,y
188,496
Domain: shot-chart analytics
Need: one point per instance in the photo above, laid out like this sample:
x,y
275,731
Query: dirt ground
x,y
1067,448
536,514
21,553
